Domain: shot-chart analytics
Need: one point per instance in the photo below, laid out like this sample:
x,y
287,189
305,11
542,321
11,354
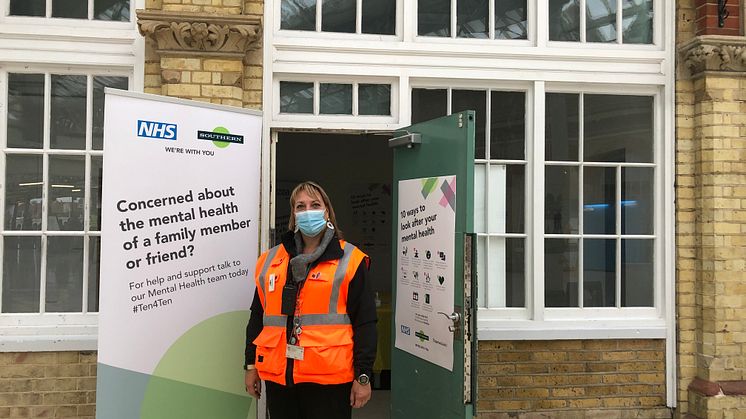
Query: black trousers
x,y
309,401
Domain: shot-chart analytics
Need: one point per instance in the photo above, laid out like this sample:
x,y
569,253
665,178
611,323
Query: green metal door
x,y
433,336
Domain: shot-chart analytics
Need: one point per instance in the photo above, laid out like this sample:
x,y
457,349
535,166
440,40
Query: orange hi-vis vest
x,y
326,335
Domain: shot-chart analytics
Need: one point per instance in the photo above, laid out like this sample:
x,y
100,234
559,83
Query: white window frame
x,y
61,46
536,66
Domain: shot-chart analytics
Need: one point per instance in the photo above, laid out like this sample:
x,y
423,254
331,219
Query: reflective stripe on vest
x,y
308,320
267,263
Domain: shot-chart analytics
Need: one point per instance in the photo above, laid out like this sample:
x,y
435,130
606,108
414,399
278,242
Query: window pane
x,y
508,125
25,110
96,179
562,125
515,270
379,16
471,20
299,15
28,7
564,20
561,200
335,98
296,97
637,200
21,274
99,83
428,104
68,120
599,273
94,259
64,291
118,10
76,9
434,18
338,16
561,272
374,99
511,19
66,190
503,283
599,200
23,192
618,128
637,273
506,197
637,21
600,18
475,100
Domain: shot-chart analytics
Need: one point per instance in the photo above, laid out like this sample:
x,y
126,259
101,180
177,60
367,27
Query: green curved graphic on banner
x,y
200,376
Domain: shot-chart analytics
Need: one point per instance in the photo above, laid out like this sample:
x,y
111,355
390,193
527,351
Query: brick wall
x,y
572,379
48,385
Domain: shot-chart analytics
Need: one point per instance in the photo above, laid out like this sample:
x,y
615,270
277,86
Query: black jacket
x,y
361,308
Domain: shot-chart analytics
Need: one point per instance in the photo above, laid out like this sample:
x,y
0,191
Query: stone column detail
x,y
202,56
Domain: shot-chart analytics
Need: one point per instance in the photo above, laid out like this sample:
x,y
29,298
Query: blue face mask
x,y
310,222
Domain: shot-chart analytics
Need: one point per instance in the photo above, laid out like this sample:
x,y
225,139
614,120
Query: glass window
x,y
374,99
28,7
564,20
99,83
296,97
68,115
434,18
117,10
299,15
338,16
25,110
335,98
637,21
615,133
48,195
472,19
429,104
73,9
600,21
379,16
511,19
111,10
499,181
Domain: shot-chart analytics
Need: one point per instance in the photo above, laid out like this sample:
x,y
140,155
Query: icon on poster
x,y
415,296
404,251
427,298
428,255
441,279
442,256
416,253
427,277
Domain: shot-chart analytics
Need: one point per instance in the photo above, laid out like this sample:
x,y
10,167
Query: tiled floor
x,y
377,407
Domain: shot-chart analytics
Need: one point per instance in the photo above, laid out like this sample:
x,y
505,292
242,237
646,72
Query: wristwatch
x,y
363,379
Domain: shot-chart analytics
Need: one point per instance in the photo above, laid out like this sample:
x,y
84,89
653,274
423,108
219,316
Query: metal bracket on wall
x,y
723,12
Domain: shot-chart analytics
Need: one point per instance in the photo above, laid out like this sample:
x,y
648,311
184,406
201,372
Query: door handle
x,y
455,318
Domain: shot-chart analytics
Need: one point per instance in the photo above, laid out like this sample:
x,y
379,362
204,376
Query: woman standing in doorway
x,y
312,332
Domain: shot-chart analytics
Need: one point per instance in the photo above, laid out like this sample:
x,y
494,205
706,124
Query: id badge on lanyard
x,y
294,352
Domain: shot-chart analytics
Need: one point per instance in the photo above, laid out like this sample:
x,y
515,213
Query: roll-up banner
x,y
179,239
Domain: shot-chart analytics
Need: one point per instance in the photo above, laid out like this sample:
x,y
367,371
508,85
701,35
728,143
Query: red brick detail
x,y
707,18
733,388
714,388
704,387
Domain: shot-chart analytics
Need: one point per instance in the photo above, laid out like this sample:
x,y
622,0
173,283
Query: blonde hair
x,y
315,191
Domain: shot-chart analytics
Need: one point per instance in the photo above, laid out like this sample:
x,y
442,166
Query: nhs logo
x,y
160,130
405,330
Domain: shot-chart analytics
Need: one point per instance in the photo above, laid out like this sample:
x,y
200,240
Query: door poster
x,y
426,220
179,239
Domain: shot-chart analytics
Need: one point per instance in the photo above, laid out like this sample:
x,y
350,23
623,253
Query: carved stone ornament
x,y
180,32
713,53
